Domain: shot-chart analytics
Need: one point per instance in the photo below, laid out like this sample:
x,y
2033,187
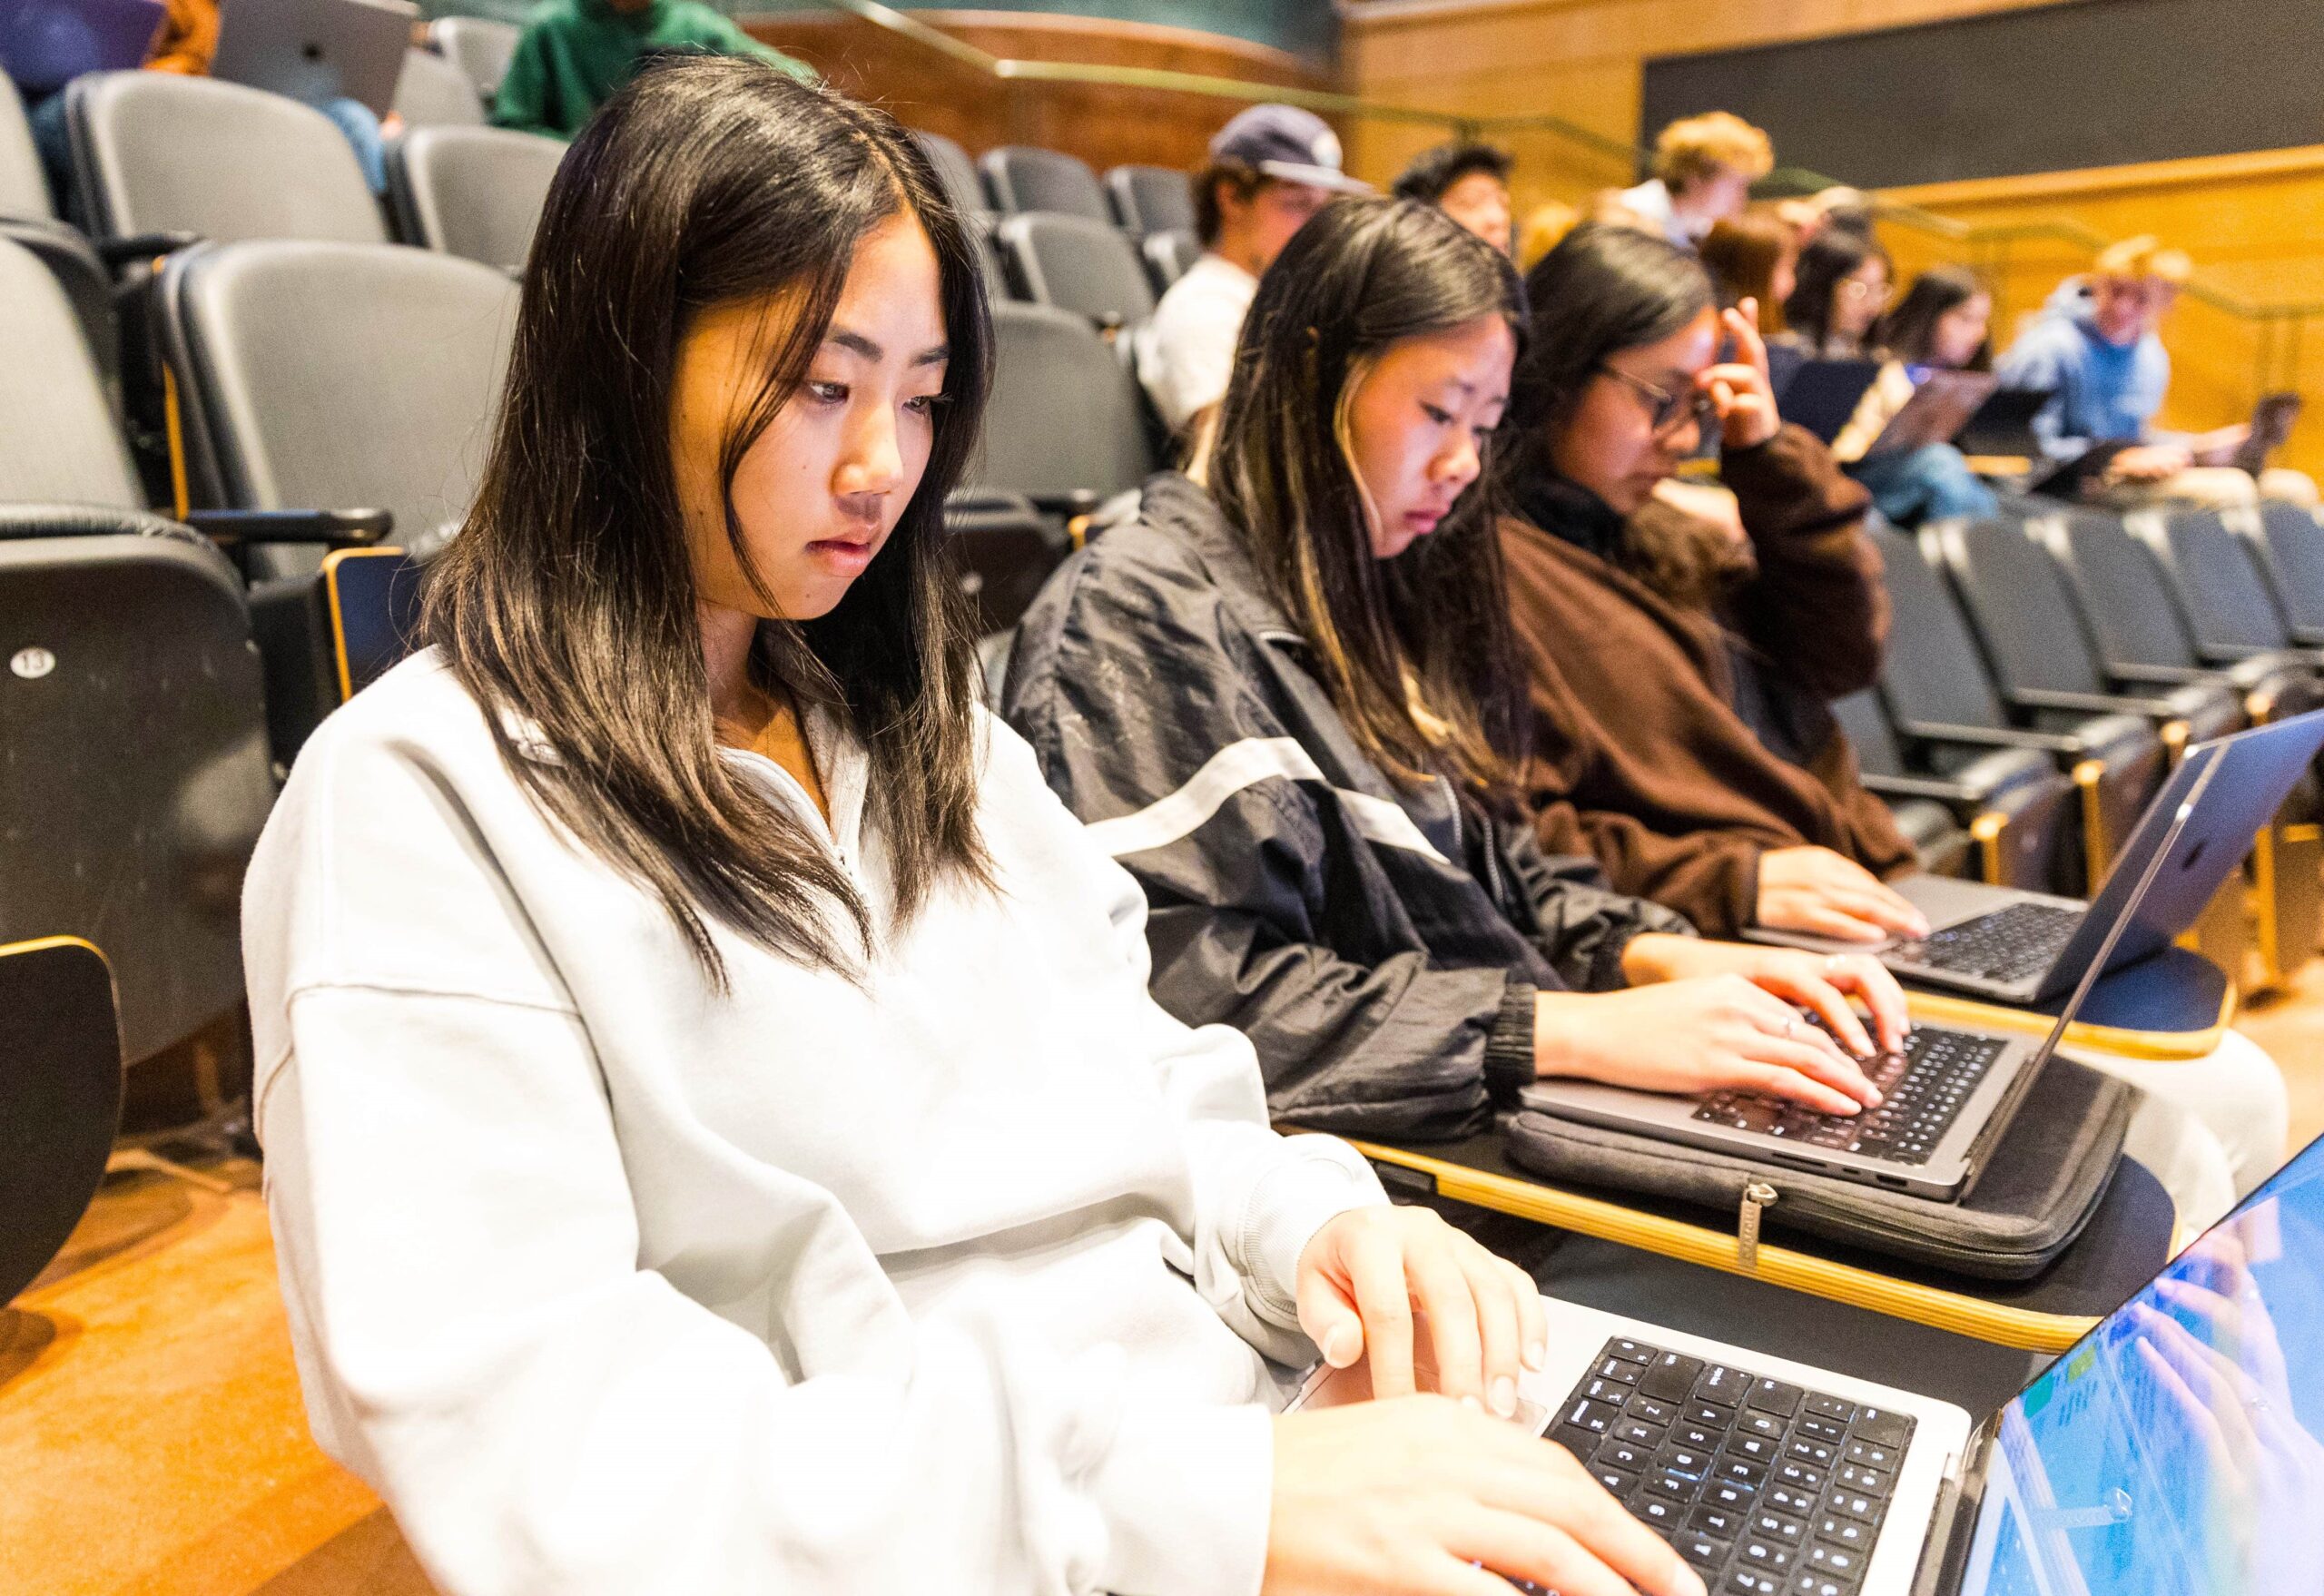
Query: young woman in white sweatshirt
x,y
718,1134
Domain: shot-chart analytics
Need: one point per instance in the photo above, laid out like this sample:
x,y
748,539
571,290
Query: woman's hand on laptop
x,y
1827,894
1419,1496
1365,1275
1823,982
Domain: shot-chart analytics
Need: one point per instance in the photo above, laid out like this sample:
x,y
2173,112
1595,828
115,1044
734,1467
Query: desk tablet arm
x,y
143,247
338,529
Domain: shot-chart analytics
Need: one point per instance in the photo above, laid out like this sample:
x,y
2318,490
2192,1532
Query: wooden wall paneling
x,y
1105,126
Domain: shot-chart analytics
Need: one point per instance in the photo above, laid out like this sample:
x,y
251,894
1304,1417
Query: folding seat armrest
x,y
1990,737
1946,793
117,252
342,528
2042,698
2160,675
1078,501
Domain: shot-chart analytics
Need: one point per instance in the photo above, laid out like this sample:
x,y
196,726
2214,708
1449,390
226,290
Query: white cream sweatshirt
x,y
975,1277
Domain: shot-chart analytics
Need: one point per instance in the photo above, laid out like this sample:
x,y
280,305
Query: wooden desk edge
x,y
1778,1266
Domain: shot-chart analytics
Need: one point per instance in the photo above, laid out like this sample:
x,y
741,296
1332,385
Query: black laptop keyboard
x,y
2016,943
1921,1089
1765,1489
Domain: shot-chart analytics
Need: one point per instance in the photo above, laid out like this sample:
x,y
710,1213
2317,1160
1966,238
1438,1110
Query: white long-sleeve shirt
x,y
959,1279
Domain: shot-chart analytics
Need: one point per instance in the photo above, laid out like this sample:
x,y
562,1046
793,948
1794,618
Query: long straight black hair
x,y
1603,289
1417,652
566,606
1908,331
1830,256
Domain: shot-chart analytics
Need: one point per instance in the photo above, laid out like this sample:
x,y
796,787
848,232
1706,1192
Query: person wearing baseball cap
x,y
1271,168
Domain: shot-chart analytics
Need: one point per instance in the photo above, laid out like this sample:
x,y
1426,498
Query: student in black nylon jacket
x,y
1317,795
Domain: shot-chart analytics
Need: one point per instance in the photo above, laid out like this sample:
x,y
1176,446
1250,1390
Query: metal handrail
x,y
1792,179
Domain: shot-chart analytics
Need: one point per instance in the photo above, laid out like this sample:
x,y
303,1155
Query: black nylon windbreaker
x,y
1379,944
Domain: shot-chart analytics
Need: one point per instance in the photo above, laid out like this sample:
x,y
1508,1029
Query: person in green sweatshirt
x,y
576,52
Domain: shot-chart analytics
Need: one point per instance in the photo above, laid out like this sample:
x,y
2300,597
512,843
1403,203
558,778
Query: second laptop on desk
x,y
2021,947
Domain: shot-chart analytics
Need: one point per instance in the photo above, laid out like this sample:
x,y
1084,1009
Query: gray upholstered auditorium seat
x,y
1168,255
2289,544
1062,427
2216,578
1936,690
157,153
1021,178
956,172
1151,199
480,47
1086,267
474,192
59,438
2043,658
28,218
431,92
2011,801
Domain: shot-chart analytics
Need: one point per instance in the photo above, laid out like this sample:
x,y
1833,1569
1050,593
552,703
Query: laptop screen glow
x,y
2175,1451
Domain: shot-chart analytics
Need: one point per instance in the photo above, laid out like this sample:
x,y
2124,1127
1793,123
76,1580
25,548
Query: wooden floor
x,y
152,1442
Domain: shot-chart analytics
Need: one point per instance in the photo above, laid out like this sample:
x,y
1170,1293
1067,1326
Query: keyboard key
x,y
1803,1475
1710,1519
1883,1427
1648,1436
1704,1553
1871,1481
1872,1456
1840,1561
1768,1425
1671,1376
1659,1512
1635,1352
1653,1411
1773,1556
1603,1390
1783,1498
1849,1504
1841,1531
1697,1436
1813,1451
1749,1582
1743,1470
1585,1415
1620,1481
1621,1454
1829,1407
1808,1582
1679,1459
1620,1370
1775,1397
1722,1385
1774,1526
1677,1487
1730,1493
1826,1430
1705,1413
1757,1448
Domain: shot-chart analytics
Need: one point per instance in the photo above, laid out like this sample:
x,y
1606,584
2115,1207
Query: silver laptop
x,y
1947,1097
316,50
2023,947
2174,1451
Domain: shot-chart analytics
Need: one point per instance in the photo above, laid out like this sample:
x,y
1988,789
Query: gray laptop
x,y
1947,1095
2174,1451
2022,947
316,50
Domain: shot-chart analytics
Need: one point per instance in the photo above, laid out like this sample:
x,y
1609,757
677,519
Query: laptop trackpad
x,y
1948,901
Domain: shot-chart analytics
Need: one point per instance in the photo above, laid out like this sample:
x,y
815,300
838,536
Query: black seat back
x,y
1085,267
1865,725
1002,549
2017,603
2124,595
1933,674
1151,199
59,438
2218,584
1168,256
138,773
60,1098
1063,420
1021,178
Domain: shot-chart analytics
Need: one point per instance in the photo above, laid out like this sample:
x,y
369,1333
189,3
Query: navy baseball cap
x,y
1286,143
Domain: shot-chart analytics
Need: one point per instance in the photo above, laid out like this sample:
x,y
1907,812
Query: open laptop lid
x,y
2174,819
46,44
2004,424
316,50
1941,406
2271,423
2258,769
2176,1447
1823,395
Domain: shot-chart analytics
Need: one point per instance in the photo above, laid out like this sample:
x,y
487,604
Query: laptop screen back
x,y
2176,1448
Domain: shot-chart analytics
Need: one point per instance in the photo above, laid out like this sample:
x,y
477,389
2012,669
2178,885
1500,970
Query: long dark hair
x,y
1417,652
1830,256
1741,254
566,606
1603,289
1908,330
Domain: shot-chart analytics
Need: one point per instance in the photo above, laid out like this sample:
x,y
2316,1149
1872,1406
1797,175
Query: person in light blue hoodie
x,y
2095,342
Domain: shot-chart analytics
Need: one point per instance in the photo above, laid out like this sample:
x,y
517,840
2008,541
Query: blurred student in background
x,y
1704,167
1468,183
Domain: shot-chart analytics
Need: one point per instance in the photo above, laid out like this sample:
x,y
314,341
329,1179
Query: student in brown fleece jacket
x,y
1679,681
